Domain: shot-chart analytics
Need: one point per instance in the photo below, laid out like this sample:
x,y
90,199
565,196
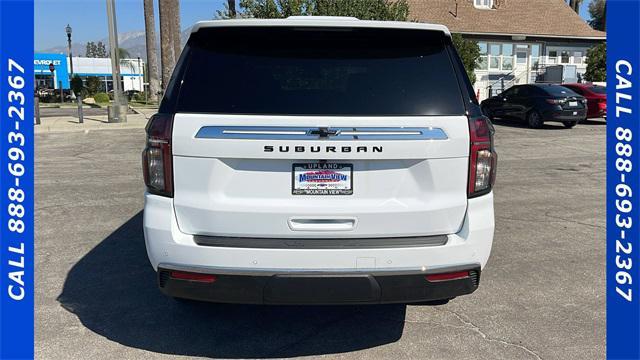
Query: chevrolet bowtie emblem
x,y
323,132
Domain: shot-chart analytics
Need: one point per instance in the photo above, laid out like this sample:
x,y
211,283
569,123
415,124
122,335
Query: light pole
x,y
140,76
68,30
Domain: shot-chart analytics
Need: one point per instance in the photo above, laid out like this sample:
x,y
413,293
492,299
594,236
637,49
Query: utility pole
x,y
118,112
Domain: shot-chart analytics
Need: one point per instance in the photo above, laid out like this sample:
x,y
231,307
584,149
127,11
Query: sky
x,y
88,18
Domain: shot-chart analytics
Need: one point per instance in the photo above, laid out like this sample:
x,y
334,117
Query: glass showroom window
x,y
507,56
483,4
553,57
482,60
494,57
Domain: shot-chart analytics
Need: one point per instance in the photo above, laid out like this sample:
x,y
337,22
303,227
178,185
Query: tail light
x,y
602,104
157,160
556,101
482,157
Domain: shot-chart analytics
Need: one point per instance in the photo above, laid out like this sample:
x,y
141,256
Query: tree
x,y
96,50
167,57
362,9
231,8
575,5
469,52
123,53
175,29
152,52
598,12
93,85
596,63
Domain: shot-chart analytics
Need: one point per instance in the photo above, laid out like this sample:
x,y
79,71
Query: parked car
x,y
348,162
596,98
536,104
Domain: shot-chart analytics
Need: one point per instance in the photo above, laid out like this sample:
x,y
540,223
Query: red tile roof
x,y
546,18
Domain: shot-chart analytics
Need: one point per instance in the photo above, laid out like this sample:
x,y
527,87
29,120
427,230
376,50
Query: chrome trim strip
x,y
315,243
218,270
304,133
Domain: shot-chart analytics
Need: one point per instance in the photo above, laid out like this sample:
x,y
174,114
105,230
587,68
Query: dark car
x,y
596,98
537,103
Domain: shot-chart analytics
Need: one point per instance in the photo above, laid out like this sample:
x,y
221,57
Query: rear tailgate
x,y
233,187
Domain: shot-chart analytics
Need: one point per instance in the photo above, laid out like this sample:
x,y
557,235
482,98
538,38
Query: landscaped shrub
x,y
101,97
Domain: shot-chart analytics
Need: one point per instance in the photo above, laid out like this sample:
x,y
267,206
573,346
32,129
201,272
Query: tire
x,y
534,120
569,124
487,112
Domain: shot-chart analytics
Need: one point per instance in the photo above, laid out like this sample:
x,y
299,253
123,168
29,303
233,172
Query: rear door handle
x,y
322,224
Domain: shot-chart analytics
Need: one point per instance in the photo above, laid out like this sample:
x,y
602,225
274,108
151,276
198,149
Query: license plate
x,y
322,179
575,113
573,103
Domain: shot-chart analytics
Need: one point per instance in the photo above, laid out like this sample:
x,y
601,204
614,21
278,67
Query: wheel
x,y
534,120
487,112
569,124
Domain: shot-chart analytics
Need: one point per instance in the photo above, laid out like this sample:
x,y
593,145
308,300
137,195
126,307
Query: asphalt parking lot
x,y
542,295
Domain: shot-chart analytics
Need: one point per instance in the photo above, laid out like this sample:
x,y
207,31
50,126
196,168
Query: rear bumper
x,y
246,274
329,288
565,115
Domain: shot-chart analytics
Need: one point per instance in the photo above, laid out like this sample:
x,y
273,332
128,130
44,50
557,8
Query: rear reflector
x,y
447,276
205,278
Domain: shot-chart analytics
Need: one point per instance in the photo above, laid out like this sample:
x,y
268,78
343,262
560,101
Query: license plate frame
x,y
328,178
573,103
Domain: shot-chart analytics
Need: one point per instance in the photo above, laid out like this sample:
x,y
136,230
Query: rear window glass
x,y
557,90
303,71
599,89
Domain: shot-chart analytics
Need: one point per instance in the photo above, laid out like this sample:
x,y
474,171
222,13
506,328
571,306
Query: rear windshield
x,y
303,71
557,90
599,89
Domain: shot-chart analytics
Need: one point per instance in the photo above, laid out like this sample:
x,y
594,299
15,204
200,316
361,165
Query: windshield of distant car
x,y
599,89
557,90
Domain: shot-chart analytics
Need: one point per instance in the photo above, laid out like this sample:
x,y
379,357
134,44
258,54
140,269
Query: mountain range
x,y
133,41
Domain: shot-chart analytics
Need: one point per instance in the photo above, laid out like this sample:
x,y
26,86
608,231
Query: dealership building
x,y
131,71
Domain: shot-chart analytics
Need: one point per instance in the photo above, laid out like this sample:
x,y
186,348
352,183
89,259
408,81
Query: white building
x,y
519,40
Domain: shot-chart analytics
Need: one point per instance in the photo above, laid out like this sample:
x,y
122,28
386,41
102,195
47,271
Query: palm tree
x,y
232,8
175,30
167,56
152,52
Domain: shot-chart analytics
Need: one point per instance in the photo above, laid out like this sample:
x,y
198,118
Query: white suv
x,y
319,161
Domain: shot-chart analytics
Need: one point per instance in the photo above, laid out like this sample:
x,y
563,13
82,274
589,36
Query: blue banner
x,y
16,179
623,182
